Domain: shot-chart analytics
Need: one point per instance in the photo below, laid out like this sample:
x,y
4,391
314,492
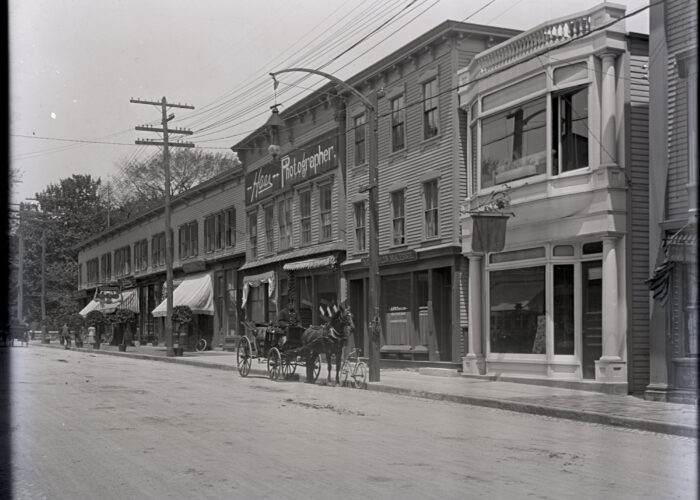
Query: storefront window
x,y
690,308
518,310
513,144
397,303
564,309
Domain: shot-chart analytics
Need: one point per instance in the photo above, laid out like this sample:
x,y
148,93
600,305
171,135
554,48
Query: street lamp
x,y
371,107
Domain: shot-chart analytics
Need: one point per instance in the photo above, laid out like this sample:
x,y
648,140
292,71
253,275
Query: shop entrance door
x,y
442,307
592,312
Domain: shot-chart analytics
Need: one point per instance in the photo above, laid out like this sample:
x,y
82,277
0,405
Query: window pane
x,y
513,144
360,214
573,130
563,251
431,209
430,105
564,309
594,247
517,306
397,123
360,140
527,253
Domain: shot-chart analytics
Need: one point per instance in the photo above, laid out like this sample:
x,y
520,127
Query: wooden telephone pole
x,y
166,166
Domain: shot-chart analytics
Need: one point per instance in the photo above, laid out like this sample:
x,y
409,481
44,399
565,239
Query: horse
x,y
330,339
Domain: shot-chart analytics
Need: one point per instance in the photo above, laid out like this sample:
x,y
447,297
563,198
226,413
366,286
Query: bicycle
x,y
355,370
201,345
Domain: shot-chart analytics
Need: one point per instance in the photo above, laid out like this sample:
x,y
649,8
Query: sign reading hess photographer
x,y
294,167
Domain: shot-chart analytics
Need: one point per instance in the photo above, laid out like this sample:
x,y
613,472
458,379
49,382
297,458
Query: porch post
x,y
473,362
610,367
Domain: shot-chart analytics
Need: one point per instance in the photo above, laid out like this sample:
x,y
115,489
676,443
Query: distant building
x,y
557,122
673,201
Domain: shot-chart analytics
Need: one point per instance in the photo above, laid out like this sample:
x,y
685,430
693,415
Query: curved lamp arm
x,y
332,78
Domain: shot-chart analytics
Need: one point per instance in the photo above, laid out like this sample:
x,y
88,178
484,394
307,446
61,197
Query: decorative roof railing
x,y
544,37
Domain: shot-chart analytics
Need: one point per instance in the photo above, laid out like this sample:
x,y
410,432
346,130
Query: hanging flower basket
x,y
95,318
182,314
489,232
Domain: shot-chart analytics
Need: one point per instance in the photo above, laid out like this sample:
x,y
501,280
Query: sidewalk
x,y
608,409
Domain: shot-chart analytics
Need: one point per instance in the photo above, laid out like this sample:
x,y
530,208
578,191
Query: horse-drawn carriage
x,y
283,349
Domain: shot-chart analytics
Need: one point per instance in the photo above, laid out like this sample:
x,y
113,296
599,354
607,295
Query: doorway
x,y
592,312
442,307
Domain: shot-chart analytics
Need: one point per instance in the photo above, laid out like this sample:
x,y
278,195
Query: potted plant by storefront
x,y
96,320
182,317
124,318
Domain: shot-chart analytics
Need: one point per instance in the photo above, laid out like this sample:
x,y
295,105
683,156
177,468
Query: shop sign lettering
x,y
294,167
394,258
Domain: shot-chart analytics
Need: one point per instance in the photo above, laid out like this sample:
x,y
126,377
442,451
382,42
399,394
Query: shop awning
x,y
318,263
196,292
683,245
128,299
257,280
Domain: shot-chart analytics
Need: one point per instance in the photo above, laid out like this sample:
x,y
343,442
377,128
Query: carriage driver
x,y
287,316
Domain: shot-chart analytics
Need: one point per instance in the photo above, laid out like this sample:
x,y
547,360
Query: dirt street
x,y
89,426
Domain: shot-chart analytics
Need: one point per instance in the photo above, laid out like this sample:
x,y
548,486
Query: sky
x,y
75,64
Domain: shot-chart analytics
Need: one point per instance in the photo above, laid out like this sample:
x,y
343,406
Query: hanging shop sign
x,y
299,165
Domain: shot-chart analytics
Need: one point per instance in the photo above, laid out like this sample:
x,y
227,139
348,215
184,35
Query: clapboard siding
x,y
217,197
638,169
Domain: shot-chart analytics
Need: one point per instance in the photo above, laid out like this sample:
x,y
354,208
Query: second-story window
x,y
430,109
570,131
430,192
93,271
514,143
360,226
284,216
106,267
305,215
141,255
326,217
158,249
231,227
398,218
189,240
122,261
270,228
209,233
360,150
253,234
397,123
219,230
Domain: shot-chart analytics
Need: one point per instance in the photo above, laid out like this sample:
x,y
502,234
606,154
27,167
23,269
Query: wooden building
x,y
557,123
422,181
673,201
207,225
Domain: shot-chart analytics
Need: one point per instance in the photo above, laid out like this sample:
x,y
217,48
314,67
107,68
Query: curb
x,y
548,411
502,404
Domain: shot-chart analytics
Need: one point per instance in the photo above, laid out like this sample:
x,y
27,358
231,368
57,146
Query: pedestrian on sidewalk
x,y
65,336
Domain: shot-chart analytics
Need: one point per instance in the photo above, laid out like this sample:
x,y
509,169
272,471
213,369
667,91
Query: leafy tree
x,y
140,184
68,212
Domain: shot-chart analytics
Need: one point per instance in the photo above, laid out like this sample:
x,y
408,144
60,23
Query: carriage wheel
x,y
201,345
274,363
359,376
316,363
289,366
243,356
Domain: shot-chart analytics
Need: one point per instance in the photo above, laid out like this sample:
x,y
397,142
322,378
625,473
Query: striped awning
x,y
196,292
317,263
683,245
128,299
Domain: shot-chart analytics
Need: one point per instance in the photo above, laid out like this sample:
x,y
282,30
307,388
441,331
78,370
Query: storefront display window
x,y
256,303
517,307
513,144
397,303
